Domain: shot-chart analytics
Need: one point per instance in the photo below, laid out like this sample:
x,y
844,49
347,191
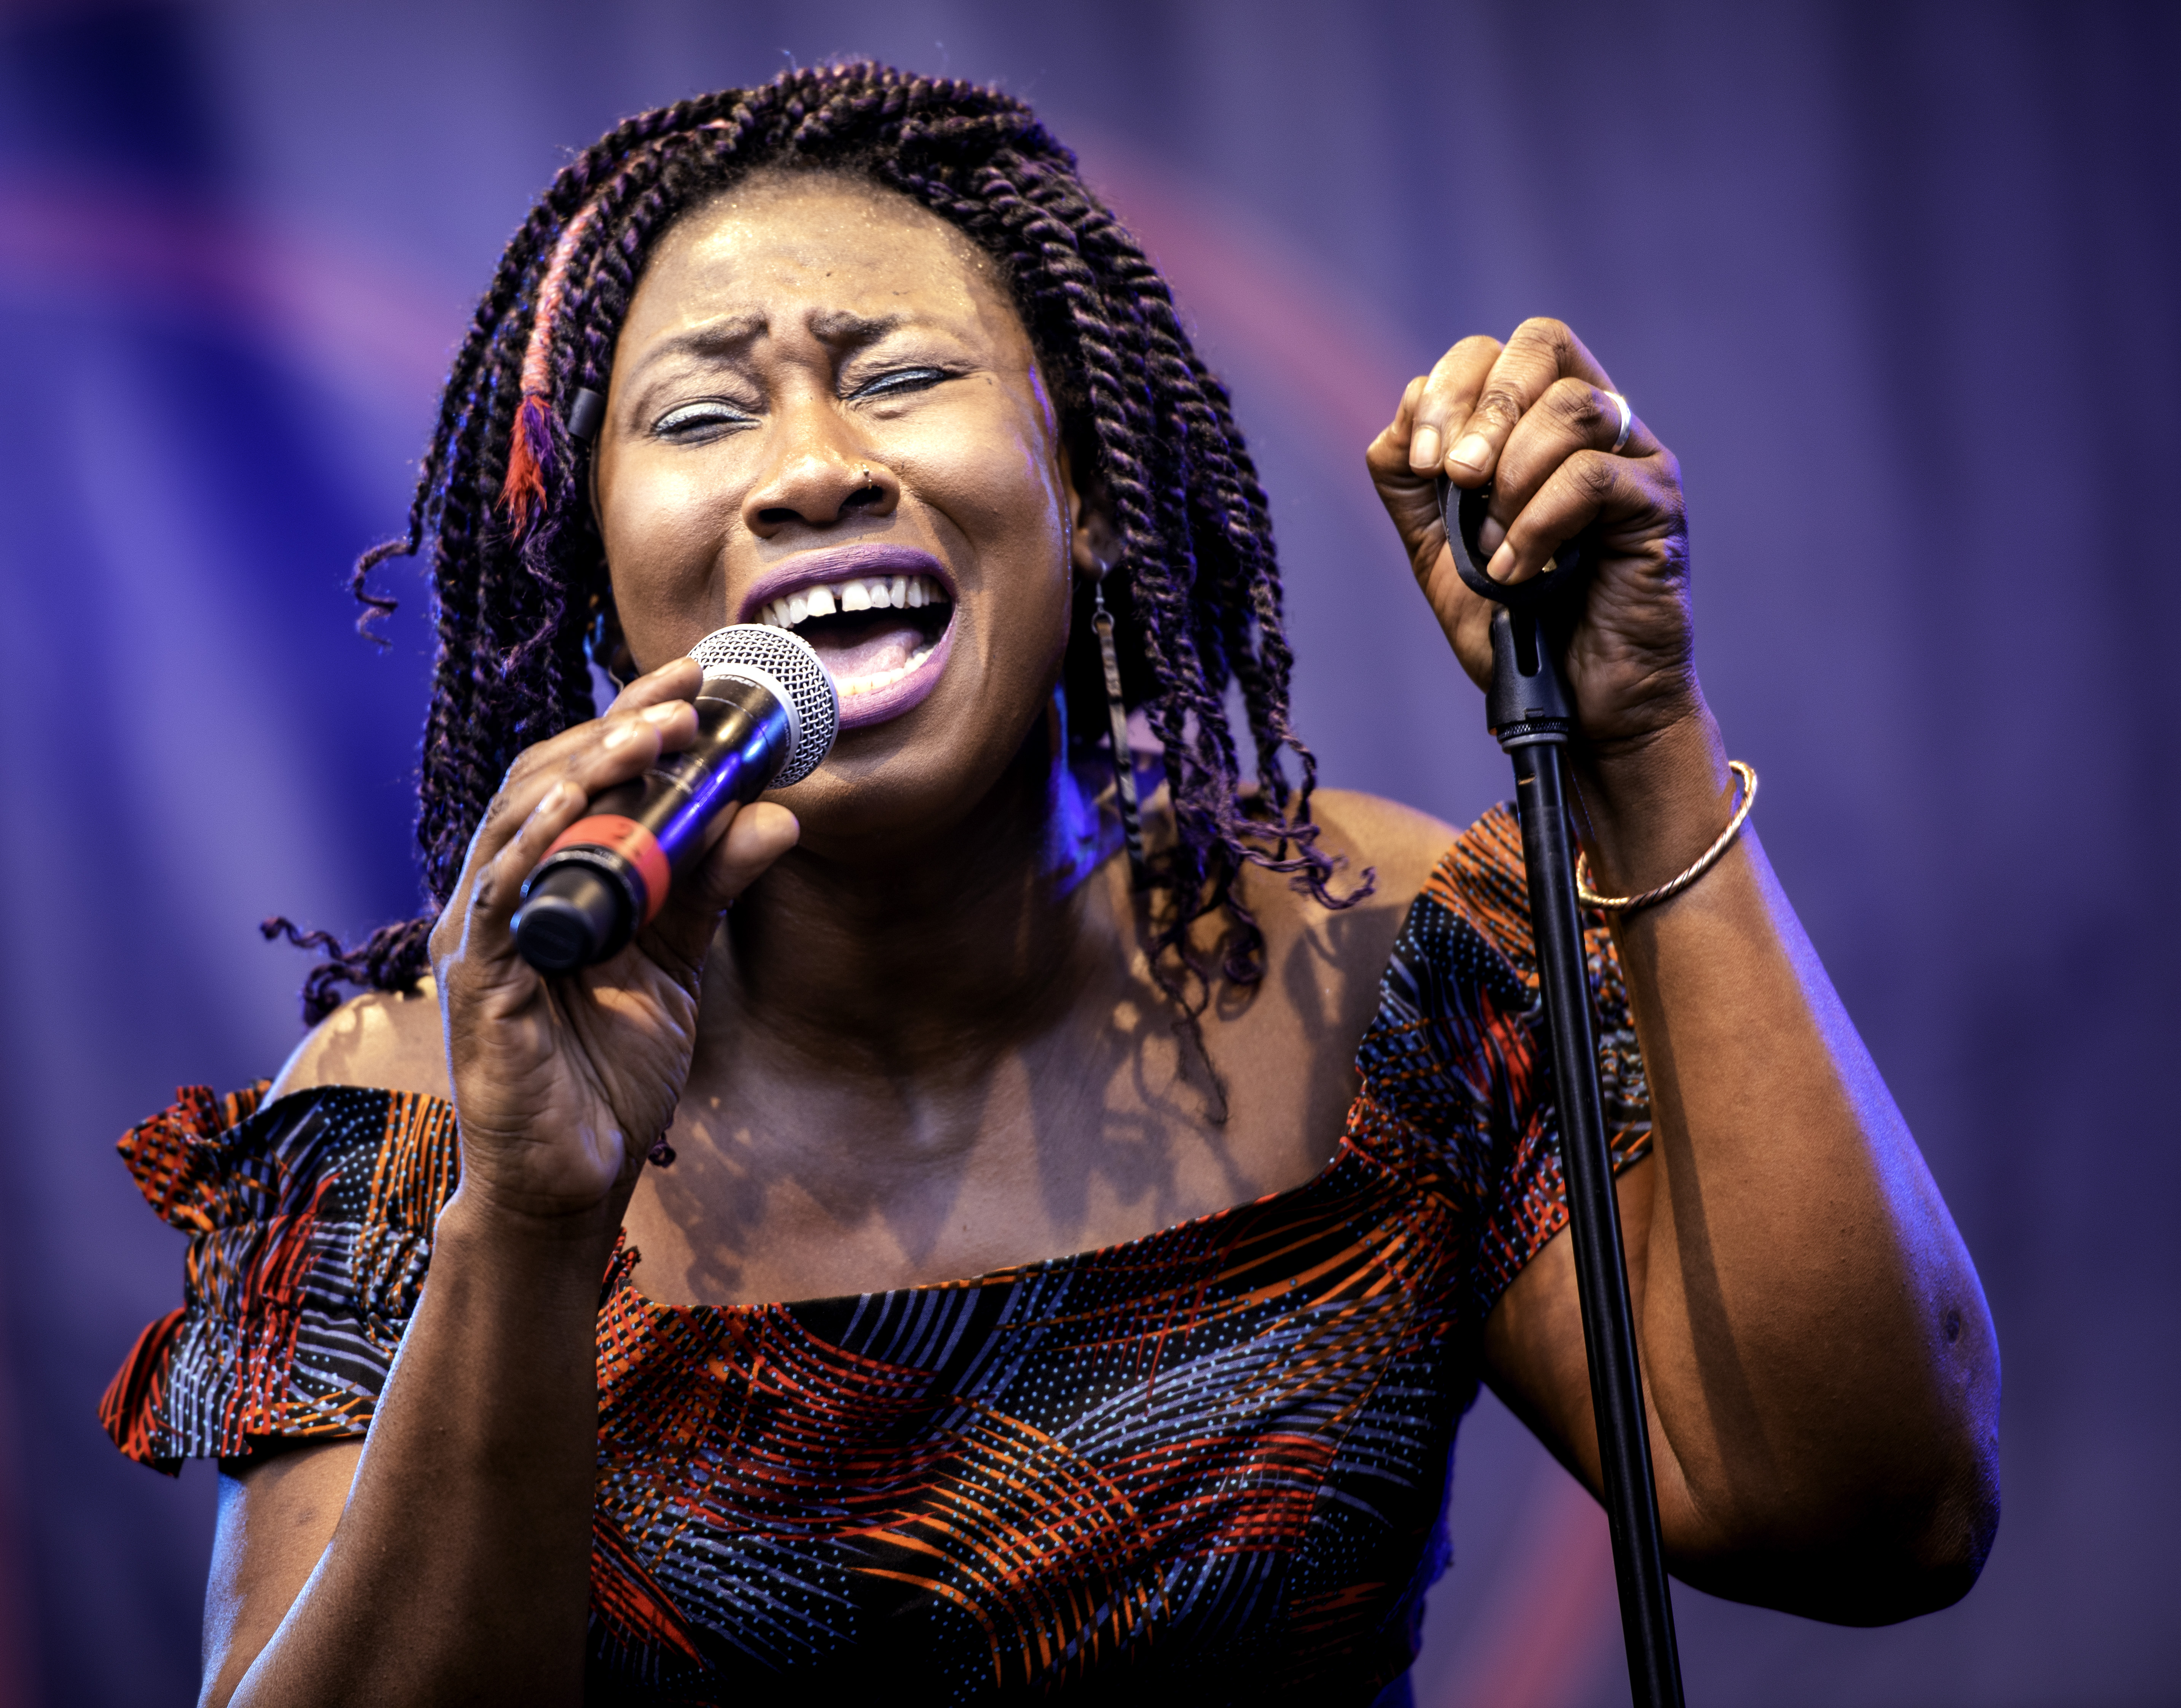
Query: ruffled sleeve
x,y
310,1223
1457,1092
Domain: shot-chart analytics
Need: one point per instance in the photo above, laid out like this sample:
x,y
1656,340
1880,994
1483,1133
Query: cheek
x,y
663,535
999,484
989,458
1013,513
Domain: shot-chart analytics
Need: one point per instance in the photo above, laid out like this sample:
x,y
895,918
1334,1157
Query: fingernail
x,y
621,733
555,797
1471,451
661,715
1502,564
1423,449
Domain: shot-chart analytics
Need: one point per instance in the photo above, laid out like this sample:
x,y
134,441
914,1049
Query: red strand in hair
x,y
530,446
524,488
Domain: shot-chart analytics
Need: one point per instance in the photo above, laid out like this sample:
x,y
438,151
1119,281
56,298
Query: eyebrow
x,y
715,339
839,327
726,337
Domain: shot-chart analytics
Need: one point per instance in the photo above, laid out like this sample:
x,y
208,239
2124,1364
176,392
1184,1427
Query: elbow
x,y
1939,1556
1911,1550
1919,1543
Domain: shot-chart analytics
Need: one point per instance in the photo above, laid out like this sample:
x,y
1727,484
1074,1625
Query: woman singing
x,y
1149,1208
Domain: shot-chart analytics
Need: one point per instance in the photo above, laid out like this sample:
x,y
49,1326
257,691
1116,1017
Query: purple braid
x,y
1195,590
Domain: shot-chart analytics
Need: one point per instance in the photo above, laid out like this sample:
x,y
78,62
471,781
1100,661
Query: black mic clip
x,y
1527,702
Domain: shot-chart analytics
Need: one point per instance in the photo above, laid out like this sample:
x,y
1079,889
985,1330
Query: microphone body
x,y
766,716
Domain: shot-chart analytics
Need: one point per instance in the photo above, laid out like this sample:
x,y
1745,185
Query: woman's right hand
x,y
563,1085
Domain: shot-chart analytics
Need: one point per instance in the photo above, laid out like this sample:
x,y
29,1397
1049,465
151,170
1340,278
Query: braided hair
x,y
502,504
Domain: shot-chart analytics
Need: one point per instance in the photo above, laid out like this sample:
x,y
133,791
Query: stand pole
x,y
1529,712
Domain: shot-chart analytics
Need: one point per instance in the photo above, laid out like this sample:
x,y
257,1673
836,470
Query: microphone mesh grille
x,y
789,660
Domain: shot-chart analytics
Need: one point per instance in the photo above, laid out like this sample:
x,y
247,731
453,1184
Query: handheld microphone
x,y
766,718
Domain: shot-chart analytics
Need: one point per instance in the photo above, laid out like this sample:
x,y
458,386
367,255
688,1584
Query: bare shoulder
x,y
1370,831
383,1039
1346,948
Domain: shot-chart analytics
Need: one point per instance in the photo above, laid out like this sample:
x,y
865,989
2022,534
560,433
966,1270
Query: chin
x,y
928,774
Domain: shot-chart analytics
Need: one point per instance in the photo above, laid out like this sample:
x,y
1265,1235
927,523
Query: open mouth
x,y
869,631
881,623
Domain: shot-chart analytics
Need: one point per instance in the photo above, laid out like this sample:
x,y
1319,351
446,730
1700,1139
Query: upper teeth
x,y
869,593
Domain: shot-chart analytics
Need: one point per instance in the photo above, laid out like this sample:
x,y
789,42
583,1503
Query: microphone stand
x,y
1528,712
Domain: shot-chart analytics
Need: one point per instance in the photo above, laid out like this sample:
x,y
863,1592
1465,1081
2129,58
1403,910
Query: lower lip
x,y
881,704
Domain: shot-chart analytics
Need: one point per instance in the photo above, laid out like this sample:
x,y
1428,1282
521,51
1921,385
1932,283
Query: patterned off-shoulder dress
x,y
1208,1465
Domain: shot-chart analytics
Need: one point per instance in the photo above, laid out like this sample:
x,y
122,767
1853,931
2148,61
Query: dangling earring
x,y
1117,709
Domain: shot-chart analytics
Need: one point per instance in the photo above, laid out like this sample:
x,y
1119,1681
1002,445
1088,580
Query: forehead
x,y
781,246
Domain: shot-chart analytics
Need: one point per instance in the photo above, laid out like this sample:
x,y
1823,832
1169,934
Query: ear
x,y
1095,541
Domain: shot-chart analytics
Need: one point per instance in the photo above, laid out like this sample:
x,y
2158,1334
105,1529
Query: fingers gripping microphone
x,y
766,718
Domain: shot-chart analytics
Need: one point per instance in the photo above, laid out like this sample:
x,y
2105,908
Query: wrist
x,y
1645,809
535,1249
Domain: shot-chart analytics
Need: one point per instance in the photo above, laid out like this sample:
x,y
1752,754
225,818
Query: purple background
x,y
1897,284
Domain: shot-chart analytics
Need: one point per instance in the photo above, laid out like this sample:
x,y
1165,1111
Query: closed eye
x,y
697,420
901,380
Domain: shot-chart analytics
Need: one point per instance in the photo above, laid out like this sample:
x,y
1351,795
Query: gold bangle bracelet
x,y
1744,774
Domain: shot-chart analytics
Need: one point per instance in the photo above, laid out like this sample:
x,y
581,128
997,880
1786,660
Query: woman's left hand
x,y
1820,1313
1532,416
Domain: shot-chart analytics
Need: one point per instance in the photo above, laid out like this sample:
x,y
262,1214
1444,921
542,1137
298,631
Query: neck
x,y
932,957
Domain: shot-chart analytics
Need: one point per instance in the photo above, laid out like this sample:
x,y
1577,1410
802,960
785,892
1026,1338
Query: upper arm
x,y
277,1515
381,1038
276,1518
1535,1358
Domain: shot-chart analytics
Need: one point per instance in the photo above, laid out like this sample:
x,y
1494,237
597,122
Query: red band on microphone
x,y
633,843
